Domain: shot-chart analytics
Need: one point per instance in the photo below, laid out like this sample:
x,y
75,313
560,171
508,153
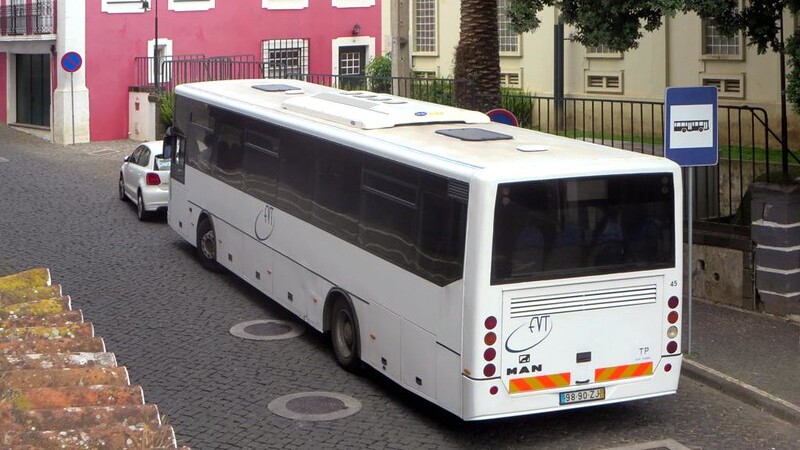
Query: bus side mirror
x,y
171,135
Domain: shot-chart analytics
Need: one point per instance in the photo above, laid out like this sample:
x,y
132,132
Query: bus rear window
x,y
583,226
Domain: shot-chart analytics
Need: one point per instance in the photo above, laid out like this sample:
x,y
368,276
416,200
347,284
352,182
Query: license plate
x,y
586,395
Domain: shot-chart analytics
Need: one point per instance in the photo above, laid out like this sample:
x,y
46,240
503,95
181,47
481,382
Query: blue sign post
x,y
691,140
71,62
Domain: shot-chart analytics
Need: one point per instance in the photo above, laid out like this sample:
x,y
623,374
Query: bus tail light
x,y
672,332
672,317
672,347
489,354
490,322
152,179
490,338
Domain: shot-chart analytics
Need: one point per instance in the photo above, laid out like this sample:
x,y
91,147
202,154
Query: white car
x,y
144,178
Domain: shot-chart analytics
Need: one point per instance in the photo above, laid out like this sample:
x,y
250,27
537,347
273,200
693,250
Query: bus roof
x,y
444,139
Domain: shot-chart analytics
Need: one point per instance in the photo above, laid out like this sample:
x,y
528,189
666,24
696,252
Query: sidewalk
x,y
751,356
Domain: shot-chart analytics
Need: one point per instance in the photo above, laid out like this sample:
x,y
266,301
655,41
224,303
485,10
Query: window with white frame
x,y
601,51
728,86
425,74
284,4
604,82
164,56
425,26
284,57
122,6
508,40
190,5
511,80
715,44
352,3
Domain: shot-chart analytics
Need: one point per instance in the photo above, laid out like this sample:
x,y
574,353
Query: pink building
x,y
116,39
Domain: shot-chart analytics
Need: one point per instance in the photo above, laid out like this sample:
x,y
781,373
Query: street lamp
x,y
156,71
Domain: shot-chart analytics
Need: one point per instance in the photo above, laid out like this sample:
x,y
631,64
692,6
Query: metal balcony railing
x,y
28,19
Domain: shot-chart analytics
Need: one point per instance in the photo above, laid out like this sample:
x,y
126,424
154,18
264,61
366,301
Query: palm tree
x,y
477,57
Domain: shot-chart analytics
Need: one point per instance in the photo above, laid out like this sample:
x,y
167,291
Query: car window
x,y
135,155
144,157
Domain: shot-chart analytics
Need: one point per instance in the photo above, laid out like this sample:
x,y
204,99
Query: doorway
x,y
33,90
352,61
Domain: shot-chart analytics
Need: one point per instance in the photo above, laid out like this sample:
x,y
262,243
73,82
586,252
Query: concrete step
x,y
25,280
87,417
64,318
44,307
29,294
113,437
56,361
50,346
84,376
47,332
74,396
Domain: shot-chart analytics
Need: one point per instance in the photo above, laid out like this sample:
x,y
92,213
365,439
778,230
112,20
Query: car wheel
x,y
141,212
207,246
122,195
344,336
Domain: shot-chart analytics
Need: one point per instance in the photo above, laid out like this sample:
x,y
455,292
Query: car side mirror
x,y
129,158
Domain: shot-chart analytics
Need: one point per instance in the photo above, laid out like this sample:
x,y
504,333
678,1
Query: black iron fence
x,y
37,17
749,150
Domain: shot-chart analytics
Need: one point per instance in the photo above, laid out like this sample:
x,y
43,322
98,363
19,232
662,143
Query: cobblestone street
x,y
168,321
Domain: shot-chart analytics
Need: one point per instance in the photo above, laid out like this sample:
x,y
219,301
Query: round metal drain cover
x,y
267,330
315,406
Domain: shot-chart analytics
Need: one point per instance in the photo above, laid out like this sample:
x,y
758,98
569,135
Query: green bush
x,y
166,103
520,103
379,72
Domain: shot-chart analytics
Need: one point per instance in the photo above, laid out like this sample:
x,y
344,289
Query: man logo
x,y
524,359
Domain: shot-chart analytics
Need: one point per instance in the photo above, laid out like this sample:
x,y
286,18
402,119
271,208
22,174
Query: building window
x,y
122,6
285,57
602,51
511,80
716,45
190,5
425,74
164,56
284,4
604,82
425,26
352,3
509,41
728,86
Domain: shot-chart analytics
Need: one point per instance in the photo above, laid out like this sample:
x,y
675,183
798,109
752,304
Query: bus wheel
x,y
344,336
207,246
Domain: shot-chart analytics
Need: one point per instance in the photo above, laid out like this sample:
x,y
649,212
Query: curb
x,y
742,391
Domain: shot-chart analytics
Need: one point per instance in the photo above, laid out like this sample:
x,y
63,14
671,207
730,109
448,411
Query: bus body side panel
x,y
178,212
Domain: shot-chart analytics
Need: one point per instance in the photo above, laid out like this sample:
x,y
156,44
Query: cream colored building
x,y
685,51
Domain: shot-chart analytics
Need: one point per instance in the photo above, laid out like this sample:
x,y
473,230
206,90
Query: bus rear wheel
x,y
207,246
344,336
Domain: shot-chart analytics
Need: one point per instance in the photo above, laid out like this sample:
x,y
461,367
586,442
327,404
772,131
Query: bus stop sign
x,y
690,126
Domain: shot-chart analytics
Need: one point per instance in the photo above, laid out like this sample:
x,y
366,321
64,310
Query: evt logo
x,y
528,336
265,223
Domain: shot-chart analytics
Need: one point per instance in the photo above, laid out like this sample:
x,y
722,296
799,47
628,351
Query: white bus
x,y
493,270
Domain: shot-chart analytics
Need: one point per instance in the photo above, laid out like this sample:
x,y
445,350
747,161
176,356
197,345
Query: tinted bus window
x,y
582,226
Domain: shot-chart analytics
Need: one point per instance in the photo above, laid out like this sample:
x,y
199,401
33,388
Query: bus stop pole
x,y
690,263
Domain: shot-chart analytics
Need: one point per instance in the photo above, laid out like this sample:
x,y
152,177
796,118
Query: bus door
x,y
177,215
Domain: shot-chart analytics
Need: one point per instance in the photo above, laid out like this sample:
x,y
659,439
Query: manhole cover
x,y
267,330
666,444
315,406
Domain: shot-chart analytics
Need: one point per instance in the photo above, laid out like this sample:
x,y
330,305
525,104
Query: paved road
x,y
168,321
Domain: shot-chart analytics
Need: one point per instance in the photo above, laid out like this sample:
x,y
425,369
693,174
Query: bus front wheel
x,y
344,335
207,246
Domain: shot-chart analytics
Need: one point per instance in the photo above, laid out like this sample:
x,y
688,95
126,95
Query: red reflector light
x,y
672,347
667,367
490,338
489,370
489,354
490,323
672,317
152,179
673,302
493,390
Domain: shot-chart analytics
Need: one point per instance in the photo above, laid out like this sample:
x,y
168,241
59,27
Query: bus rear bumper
x,y
480,404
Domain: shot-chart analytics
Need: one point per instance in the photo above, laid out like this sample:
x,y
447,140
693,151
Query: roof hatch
x,y
368,110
